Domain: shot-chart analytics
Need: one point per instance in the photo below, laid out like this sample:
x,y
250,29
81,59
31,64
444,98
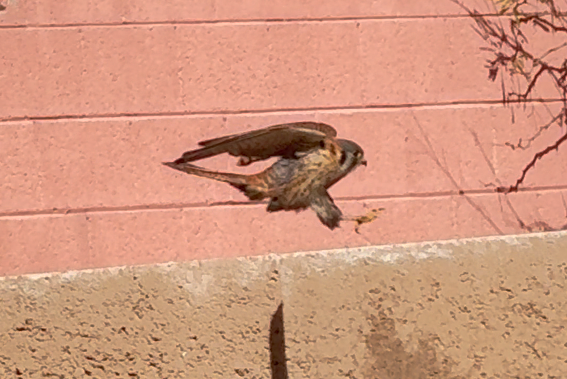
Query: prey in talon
x,y
311,160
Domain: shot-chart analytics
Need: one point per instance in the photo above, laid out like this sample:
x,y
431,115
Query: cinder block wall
x,y
93,96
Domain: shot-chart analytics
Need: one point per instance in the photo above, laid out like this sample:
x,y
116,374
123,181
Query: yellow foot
x,y
365,218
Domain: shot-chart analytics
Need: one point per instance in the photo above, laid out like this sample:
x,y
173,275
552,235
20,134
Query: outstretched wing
x,y
324,206
278,140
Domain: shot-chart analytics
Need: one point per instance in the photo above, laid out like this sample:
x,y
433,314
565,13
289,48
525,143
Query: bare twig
x,y
529,166
511,52
541,129
477,143
435,158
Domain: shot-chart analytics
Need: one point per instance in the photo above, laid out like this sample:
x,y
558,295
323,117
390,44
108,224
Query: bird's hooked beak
x,y
364,162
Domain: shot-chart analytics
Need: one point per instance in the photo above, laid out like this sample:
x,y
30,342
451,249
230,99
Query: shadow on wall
x,y
278,360
388,358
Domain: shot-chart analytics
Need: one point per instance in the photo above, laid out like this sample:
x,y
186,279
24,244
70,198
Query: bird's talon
x,y
367,218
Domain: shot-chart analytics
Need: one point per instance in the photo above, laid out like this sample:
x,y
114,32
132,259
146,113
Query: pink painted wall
x,y
94,97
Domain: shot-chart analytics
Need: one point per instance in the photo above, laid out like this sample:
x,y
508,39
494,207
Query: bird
x,y
311,159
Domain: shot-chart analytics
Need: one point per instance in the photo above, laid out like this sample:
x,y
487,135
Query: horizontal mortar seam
x,y
57,212
385,107
245,21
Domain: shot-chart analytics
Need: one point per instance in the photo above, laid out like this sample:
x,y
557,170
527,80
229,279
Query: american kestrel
x,y
312,160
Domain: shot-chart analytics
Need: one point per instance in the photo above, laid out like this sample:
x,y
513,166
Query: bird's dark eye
x,y
343,158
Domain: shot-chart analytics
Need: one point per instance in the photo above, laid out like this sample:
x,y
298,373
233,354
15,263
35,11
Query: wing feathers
x,y
278,140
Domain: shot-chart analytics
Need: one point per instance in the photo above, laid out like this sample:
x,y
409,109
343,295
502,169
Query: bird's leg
x,y
366,218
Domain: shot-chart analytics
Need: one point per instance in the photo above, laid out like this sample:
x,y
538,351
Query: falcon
x,y
311,160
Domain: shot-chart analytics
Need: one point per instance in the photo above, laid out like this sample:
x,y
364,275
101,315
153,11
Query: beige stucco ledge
x,y
482,307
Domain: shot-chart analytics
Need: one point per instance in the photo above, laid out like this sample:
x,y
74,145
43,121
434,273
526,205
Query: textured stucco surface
x,y
477,308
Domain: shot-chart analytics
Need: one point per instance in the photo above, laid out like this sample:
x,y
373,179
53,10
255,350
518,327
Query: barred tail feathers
x,y
242,182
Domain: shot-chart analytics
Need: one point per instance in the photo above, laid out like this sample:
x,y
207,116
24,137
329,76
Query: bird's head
x,y
352,155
